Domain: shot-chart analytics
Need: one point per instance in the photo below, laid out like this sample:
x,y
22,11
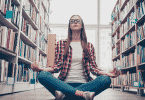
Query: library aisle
x,y
43,94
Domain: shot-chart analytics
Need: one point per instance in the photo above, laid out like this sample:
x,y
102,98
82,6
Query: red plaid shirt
x,y
64,67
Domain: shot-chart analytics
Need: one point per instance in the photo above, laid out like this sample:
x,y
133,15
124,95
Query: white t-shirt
x,y
76,72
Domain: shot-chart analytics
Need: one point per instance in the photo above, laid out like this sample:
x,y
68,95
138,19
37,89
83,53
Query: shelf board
x,y
132,87
125,2
7,23
115,30
137,1
30,21
33,4
115,5
116,57
45,40
127,68
125,18
44,6
141,41
16,2
24,60
141,64
7,52
42,52
40,32
131,28
27,40
7,55
141,20
116,85
118,41
129,49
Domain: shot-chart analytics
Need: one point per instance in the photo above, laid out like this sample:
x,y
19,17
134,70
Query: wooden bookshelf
x,y
130,43
24,40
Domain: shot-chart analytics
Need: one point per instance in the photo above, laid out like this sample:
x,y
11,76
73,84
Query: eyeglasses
x,y
72,21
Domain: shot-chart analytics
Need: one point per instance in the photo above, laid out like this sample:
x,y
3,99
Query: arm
x,y
96,71
93,66
57,63
58,58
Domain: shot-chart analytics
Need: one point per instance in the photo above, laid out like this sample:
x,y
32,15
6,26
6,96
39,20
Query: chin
x,y
76,29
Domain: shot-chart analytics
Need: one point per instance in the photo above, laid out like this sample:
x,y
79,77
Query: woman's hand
x,y
114,73
35,67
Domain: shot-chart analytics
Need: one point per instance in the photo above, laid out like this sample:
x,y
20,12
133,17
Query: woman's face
x,y
75,23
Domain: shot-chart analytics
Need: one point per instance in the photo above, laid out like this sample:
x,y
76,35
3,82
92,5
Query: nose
x,y
75,21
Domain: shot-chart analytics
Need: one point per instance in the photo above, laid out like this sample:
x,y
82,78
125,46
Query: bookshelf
x,y
24,33
128,37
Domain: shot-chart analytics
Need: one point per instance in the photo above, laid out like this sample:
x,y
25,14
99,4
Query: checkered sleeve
x,y
58,58
93,66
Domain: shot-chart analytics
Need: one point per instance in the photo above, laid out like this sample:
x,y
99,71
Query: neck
x,y
76,35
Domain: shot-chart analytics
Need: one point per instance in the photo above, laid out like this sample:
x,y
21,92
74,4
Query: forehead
x,y
75,17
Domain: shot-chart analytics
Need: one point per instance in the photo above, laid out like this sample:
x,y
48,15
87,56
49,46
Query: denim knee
x,y
106,79
43,74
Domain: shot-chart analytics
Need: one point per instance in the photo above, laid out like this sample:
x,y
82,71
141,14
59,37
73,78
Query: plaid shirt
x,y
64,67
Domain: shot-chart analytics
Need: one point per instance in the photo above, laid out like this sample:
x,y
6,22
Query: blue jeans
x,y
51,84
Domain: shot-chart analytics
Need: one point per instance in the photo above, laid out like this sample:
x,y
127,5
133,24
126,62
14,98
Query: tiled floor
x,y
43,94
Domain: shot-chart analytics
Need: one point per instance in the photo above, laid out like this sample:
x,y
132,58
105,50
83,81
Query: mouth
x,y
75,25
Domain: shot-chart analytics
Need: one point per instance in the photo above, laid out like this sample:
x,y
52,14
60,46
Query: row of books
x,y
115,38
36,2
7,69
126,61
23,73
131,21
42,60
141,9
121,2
44,10
128,41
8,38
28,30
42,13
31,11
140,32
16,15
127,8
42,43
116,63
129,79
115,25
46,4
116,51
26,51
129,60
6,7
43,27
140,54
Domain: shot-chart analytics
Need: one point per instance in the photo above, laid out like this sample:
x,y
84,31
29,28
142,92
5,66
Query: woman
x,y
75,59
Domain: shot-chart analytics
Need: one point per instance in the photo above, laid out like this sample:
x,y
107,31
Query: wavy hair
x,y
83,41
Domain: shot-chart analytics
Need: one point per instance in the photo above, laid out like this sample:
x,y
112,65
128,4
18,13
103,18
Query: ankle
x,y
79,93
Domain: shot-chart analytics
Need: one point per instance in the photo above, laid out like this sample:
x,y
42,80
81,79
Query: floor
x,y
43,94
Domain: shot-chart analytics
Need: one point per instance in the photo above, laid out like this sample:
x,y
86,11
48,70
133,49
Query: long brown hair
x,y
83,41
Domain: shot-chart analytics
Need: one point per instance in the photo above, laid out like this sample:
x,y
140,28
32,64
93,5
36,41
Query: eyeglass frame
x,y
79,22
